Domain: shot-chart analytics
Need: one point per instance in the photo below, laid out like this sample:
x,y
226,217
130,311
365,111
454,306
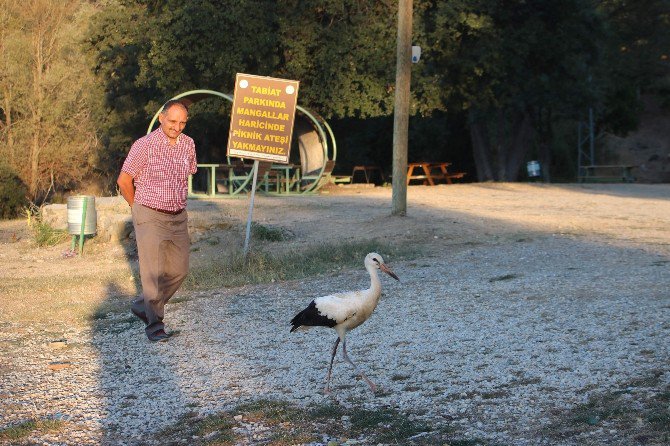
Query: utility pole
x,y
401,110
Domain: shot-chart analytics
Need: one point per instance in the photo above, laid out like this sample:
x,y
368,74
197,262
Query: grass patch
x,y
494,394
639,410
264,267
399,377
45,235
286,424
269,233
386,425
270,412
503,278
23,430
223,426
180,299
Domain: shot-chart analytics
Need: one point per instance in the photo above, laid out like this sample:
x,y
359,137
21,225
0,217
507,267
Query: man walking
x,y
154,182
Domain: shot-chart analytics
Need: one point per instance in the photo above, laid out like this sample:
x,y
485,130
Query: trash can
x,y
533,169
75,207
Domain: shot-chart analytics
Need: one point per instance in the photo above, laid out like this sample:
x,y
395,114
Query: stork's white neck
x,y
375,283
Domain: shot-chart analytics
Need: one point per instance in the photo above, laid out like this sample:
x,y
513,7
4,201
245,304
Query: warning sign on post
x,y
261,123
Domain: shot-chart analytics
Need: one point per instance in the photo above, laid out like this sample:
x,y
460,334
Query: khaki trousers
x,y
163,247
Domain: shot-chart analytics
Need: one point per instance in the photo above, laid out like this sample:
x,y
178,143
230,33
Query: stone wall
x,y
114,219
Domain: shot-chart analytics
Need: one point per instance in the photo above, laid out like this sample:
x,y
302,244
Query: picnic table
x,y
368,171
284,176
431,173
233,181
607,172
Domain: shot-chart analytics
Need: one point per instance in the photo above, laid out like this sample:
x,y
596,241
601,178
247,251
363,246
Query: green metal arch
x,y
317,121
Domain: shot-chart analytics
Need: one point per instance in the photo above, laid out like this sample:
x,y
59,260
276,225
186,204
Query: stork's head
x,y
374,260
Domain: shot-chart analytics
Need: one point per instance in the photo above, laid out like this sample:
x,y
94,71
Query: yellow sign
x,y
261,123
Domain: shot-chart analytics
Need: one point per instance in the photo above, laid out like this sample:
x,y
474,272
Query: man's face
x,y
173,121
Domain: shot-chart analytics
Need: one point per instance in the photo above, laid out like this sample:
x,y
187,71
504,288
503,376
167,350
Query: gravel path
x,y
497,340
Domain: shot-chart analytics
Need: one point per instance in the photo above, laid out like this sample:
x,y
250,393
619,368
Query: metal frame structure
x,y
239,183
585,158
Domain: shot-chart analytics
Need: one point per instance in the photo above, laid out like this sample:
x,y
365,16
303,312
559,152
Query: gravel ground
x,y
498,335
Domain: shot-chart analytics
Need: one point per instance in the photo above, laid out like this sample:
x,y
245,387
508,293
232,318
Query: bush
x,y
13,193
45,235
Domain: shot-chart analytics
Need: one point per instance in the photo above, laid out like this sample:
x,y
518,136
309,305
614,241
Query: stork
x,y
345,311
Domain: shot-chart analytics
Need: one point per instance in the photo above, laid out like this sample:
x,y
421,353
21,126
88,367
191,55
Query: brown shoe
x,y
158,336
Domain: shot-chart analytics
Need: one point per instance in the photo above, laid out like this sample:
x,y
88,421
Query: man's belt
x,y
162,211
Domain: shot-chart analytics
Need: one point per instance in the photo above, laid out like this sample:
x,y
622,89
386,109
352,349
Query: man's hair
x,y
171,103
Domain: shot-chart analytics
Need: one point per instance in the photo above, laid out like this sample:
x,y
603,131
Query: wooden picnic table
x,y
431,173
368,173
607,172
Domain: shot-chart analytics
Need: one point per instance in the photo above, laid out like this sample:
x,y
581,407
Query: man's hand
x,y
126,187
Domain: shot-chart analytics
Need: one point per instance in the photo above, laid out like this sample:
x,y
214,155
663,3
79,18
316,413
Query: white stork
x,y
345,311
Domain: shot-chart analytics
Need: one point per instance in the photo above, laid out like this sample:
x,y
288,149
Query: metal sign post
x,y
251,208
261,124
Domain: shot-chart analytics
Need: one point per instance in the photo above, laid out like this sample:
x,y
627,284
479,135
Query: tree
x,y
511,66
514,68
343,52
635,60
45,93
200,44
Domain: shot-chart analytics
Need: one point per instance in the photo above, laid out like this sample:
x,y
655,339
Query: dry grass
x,y
287,424
266,266
21,432
66,299
94,287
638,410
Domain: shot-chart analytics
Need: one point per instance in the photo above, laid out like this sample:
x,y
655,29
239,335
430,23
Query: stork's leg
x,y
373,387
337,342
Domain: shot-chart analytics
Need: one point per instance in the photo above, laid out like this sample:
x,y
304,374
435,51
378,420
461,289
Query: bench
x,y
606,173
313,181
431,173
282,178
368,173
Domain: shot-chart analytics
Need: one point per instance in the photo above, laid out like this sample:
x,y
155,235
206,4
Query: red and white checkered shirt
x,y
160,171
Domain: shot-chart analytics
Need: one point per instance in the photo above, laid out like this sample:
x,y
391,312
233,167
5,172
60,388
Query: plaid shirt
x,y
160,171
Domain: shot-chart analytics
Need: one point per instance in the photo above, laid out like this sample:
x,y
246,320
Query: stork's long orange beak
x,y
386,269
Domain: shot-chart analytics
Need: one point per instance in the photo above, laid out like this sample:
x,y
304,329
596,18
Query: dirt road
x,y
524,303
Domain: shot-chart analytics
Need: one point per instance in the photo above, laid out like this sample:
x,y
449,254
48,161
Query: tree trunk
x,y
500,145
9,131
480,149
401,107
519,141
36,107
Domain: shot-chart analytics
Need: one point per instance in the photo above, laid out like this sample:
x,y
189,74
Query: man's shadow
x,y
136,376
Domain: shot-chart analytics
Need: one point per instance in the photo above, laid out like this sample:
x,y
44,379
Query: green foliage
x,y
46,94
45,235
119,50
21,431
505,72
269,233
514,66
13,192
633,62
343,52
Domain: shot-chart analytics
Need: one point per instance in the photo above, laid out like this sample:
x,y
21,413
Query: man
x,y
154,182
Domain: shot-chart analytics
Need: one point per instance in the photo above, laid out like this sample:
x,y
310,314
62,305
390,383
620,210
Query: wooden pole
x,y
401,113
